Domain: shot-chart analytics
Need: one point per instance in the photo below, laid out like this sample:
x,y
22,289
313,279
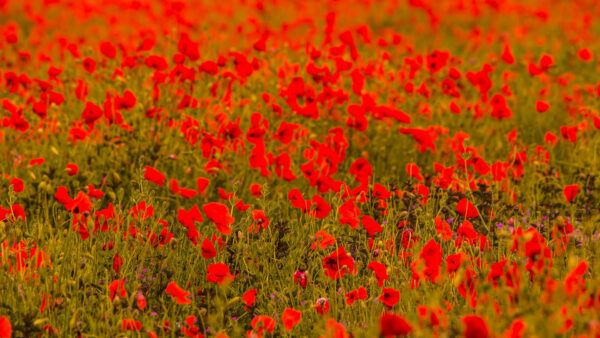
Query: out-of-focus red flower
x,y
178,294
570,192
141,300
256,190
17,184
131,325
117,263
108,49
117,288
393,325
475,327
260,324
72,169
290,318
249,298
542,106
5,328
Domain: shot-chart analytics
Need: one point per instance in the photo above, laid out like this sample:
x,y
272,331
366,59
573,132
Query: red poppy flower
x,y
475,327
219,214
380,272
371,225
191,330
321,208
453,262
249,298
570,192
209,67
224,195
393,325
431,253
36,161
17,184
92,192
414,171
187,193
5,328
354,295
157,62
338,263
516,329
298,201
322,306
466,209
241,206
117,263
348,214
154,176
436,61
218,273
126,102
351,297
108,50
379,191
507,55
91,113
542,106
550,139
131,325
208,249
301,278
443,229
260,221
89,64
72,169
187,218
256,190
362,170
574,281
285,133
569,133
584,54
260,324
117,287
81,204
174,186
322,240
178,294
335,329
141,300
389,297
290,318
202,183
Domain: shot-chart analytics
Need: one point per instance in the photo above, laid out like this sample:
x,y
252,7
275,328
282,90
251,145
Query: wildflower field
x,y
271,168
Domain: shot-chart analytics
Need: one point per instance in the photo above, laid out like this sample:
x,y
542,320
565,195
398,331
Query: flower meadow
x,y
267,168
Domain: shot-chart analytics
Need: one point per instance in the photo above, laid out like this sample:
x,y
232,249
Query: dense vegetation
x,y
300,168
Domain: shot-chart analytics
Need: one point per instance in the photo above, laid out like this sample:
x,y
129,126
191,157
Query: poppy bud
x,y
301,278
116,178
322,306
